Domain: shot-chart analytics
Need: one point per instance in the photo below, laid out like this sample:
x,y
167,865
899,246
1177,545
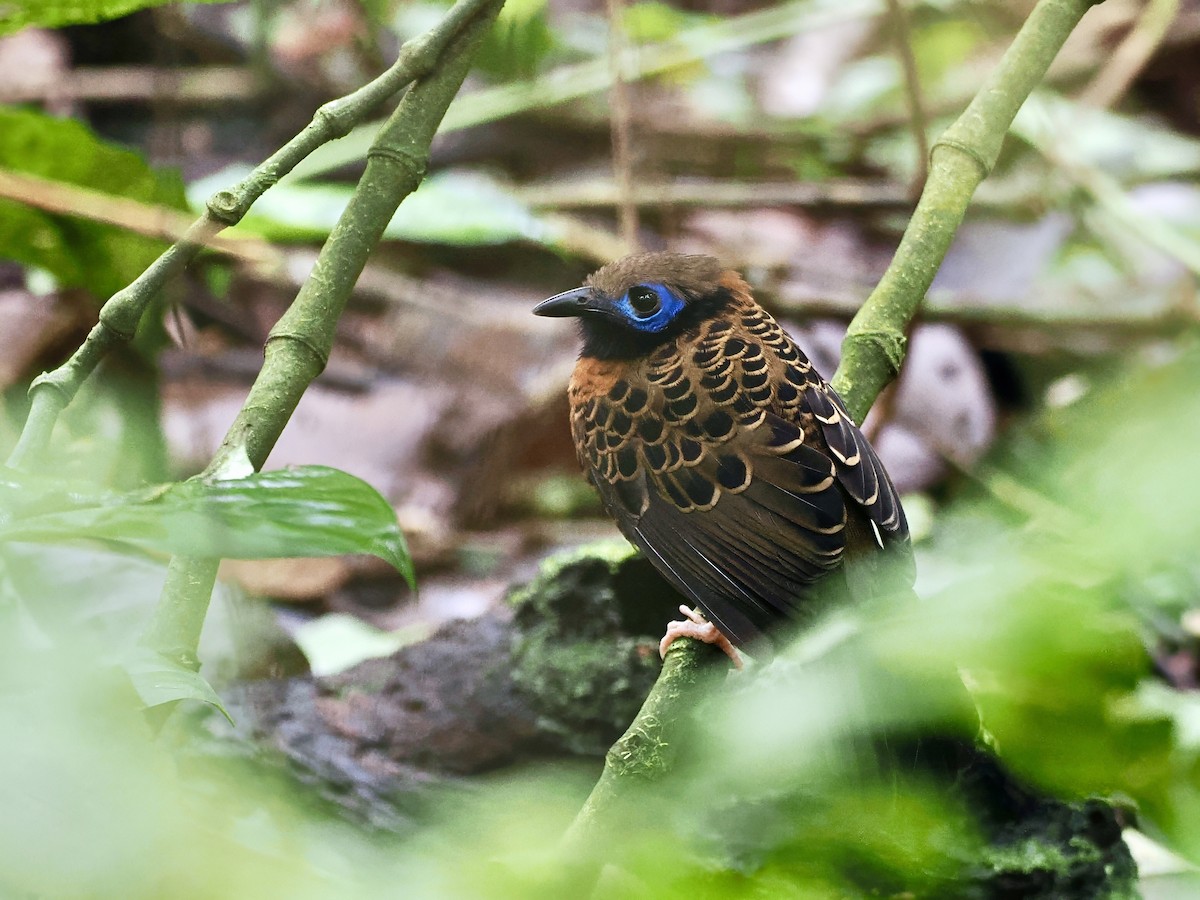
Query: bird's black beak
x,y
568,303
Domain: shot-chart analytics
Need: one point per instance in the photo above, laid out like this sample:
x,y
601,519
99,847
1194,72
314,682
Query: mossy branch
x,y
647,751
872,353
50,392
298,347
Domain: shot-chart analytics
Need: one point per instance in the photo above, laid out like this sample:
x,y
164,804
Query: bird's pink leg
x,y
700,629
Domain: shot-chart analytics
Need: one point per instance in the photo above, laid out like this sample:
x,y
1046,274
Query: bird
x,y
723,455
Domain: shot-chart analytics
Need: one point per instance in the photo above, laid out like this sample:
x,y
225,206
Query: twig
x,y
874,348
141,218
299,345
912,89
619,117
711,192
119,317
131,84
1124,66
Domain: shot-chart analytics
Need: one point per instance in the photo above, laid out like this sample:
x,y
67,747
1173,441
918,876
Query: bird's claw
x,y
698,628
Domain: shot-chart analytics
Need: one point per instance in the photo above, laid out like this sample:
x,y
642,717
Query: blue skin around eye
x,y
671,305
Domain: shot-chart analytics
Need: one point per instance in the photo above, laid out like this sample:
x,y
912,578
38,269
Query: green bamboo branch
x,y
51,392
299,345
963,157
873,352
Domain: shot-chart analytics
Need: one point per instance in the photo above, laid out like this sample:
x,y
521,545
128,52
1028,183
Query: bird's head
x,y
638,302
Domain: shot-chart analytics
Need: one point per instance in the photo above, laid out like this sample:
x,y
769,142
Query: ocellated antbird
x,y
721,453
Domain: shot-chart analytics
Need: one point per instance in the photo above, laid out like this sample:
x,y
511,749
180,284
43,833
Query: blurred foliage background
x,y
1044,432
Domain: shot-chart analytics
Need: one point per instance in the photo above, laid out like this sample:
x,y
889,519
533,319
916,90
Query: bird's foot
x,y
699,628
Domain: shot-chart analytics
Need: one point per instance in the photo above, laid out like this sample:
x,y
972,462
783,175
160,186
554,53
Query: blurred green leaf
x,y
652,20
1127,147
304,511
333,643
159,680
519,42
942,46
16,14
79,253
457,208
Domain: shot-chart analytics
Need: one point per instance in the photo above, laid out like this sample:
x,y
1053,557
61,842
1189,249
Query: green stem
x,y
875,342
300,343
119,317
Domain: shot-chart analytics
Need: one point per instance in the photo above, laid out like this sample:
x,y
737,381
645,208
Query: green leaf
x,y
160,680
655,21
519,42
465,208
1123,146
457,208
304,511
15,14
334,643
79,253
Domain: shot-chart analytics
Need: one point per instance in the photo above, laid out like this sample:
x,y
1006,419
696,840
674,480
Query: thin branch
x,y
619,116
873,351
918,118
146,219
299,345
50,392
839,193
712,192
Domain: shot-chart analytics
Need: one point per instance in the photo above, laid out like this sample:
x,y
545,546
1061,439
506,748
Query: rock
x,y
586,652
561,669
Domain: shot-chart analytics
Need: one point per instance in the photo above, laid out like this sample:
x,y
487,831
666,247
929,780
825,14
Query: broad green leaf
x,y
465,208
304,511
16,14
102,596
78,253
456,208
159,680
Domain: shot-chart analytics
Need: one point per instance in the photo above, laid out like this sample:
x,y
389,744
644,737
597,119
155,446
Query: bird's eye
x,y
645,302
